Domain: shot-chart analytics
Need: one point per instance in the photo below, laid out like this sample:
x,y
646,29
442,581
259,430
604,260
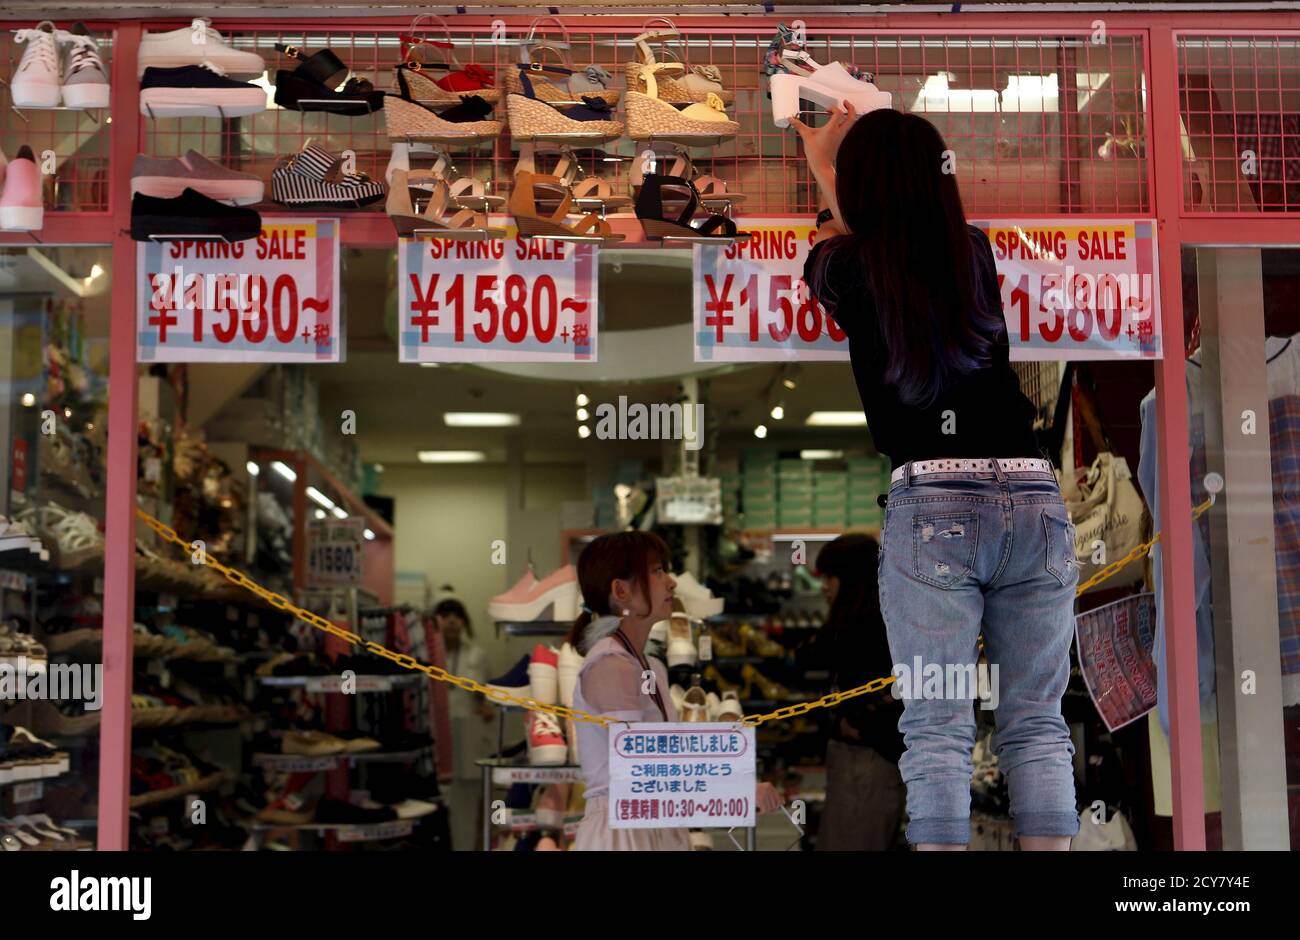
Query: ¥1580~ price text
x,y
784,305
237,305
514,308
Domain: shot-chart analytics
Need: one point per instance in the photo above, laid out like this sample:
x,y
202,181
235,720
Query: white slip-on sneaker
x,y
36,81
197,45
570,664
681,647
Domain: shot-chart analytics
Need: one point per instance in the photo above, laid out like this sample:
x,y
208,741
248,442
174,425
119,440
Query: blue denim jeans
x,y
963,553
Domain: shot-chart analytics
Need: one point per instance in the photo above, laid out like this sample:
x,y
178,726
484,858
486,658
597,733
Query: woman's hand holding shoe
x,y
821,144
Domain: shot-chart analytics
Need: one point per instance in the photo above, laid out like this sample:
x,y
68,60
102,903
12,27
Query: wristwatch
x,y
824,216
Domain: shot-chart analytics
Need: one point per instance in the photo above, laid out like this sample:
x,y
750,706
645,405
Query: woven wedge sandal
x,y
533,224
649,118
407,120
531,119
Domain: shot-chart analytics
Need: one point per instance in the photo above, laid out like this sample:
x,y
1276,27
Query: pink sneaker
x,y
544,674
546,745
558,591
21,209
517,594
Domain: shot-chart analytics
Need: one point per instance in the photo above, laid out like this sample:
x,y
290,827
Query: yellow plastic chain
x,y
280,602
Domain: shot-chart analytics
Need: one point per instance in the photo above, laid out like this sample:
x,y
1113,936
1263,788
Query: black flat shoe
x,y
191,214
295,93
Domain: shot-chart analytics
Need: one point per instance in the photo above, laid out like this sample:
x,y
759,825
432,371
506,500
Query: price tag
x,y
521,821
269,299
1073,290
706,647
699,775
751,304
29,792
334,549
375,833
497,301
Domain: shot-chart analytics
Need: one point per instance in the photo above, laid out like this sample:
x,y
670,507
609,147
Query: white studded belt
x,y
922,468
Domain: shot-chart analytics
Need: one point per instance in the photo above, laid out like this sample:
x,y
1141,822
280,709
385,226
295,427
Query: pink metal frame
x,y
1176,228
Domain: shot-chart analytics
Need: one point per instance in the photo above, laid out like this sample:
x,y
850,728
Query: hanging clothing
x,y
1283,363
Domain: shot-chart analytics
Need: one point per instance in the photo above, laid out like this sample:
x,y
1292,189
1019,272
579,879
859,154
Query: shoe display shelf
x,y
502,773
309,763
154,797
343,833
334,684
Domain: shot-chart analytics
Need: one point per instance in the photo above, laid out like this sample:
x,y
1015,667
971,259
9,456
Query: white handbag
x,y
1106,509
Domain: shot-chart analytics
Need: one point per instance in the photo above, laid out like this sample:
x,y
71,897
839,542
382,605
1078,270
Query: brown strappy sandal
x,y
532,224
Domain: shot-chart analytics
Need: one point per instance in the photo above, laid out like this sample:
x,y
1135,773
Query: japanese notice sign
x,y
334,552
1070,289
274,298
499,300
1114,645
1078,290
670,775
751,304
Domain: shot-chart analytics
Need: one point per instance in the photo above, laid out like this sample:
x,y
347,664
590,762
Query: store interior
x,y
468,477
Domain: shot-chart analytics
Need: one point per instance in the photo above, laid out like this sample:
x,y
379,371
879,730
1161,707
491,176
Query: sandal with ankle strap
x,y
652,213
461,225
533,224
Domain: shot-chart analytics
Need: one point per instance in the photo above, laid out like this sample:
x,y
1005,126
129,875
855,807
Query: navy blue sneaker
x,y
197,91
516,681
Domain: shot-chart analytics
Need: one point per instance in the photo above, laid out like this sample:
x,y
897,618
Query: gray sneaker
x,y
167,178
85,79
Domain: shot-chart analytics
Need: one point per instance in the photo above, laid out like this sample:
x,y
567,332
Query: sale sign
x,y
498,300
1078,290
270,299
751,304
334,552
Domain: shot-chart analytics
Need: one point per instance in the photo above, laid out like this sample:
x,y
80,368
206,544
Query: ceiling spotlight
x,y
778,412
584,432
67,412
789,383
760,432
320,513
284,470
370,536
28,399
253,469
379,468
583,414
582,400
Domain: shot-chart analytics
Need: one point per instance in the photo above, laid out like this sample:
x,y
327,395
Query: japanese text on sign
x,y
497,301
1074,290
751,303
671,775
270,299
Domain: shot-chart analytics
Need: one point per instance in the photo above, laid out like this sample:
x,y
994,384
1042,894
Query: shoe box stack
x,y
867,479
794,508
830,499
758,489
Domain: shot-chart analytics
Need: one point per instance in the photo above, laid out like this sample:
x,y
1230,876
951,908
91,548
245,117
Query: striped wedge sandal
x,y
463,123
435,221
315,179
533,222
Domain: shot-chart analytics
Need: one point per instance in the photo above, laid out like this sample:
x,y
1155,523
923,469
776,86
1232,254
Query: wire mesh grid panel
x,y
70,145
1240,103
1036,125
